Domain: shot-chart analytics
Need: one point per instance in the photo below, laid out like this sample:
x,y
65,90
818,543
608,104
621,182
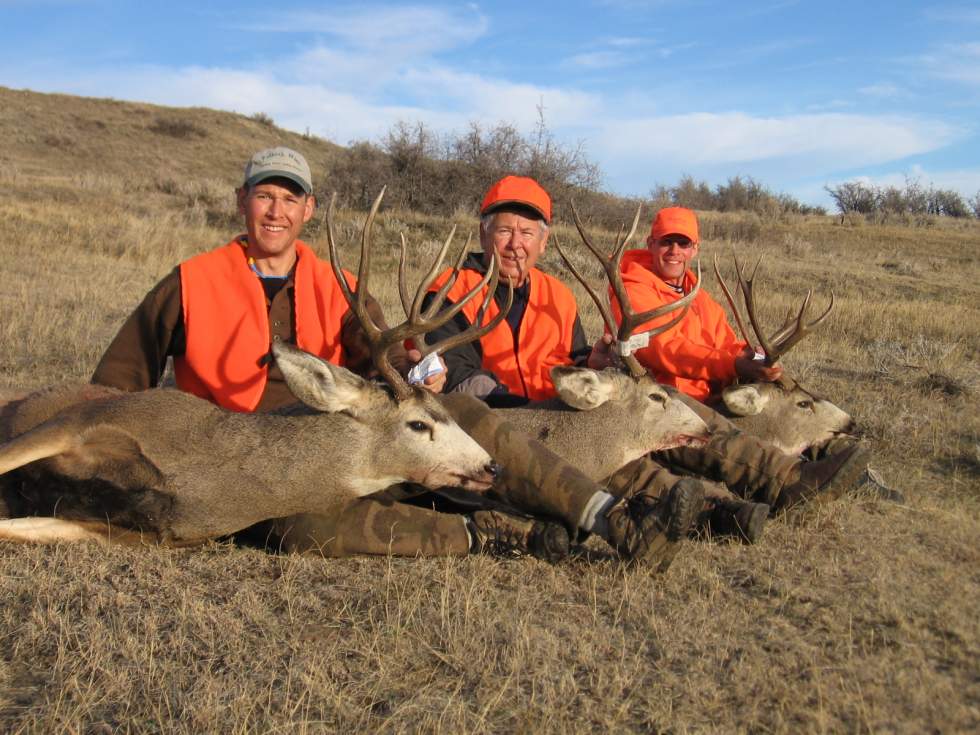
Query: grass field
x,y
862,617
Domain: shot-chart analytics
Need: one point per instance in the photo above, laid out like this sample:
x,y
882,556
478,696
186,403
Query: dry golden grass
x,y
862,616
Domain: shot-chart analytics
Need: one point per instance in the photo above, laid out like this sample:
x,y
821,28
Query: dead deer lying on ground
x,y
165,466
783,413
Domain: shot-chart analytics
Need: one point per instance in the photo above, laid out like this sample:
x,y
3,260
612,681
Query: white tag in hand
x,y
634,343
428,365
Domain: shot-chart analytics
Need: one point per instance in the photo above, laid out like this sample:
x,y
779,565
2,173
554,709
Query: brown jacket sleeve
x,y
137,355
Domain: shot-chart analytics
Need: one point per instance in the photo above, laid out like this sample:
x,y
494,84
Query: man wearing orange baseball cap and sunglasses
x,y
701,354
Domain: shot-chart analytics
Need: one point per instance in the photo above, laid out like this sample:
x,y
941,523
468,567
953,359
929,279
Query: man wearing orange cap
x,y
701,354
512,363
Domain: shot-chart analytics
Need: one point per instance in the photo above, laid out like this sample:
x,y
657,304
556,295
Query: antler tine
x,y
353,301
585,238
440,296
796,329
732,304
604,310
621,244
476,330
746,284
430,276
402,282
364,267
378,339
435,322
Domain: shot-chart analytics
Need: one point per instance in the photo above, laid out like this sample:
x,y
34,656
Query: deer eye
x,y
805,404
659,398
419,426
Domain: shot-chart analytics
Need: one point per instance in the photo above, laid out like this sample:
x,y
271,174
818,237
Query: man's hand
x,y
750,369
432,383
601,356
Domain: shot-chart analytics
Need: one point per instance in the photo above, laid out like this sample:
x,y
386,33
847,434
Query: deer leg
x,y
57,530
48,440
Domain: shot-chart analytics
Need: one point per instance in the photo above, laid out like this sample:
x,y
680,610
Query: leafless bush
x,y
914,199
177,127
264,119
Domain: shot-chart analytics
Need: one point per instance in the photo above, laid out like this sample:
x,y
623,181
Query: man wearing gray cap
x,y
210,316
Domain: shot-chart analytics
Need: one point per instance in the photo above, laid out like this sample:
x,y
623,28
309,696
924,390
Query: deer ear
x,y
583,388
319,384
744,400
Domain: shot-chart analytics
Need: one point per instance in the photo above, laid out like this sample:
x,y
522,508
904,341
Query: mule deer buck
x,y
167,467
783,413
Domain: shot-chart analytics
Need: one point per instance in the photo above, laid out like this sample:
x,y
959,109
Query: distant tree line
x,y
739,194
912,199
448,173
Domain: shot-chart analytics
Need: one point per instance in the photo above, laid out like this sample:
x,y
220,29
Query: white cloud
x,y
394,31
839,140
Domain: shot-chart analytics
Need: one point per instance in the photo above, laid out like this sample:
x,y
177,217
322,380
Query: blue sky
x,y
796,94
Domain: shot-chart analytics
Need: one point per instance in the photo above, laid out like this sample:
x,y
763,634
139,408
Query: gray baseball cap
x,y
279,162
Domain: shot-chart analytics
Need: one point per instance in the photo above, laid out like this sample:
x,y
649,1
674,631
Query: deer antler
x,y
794,328
631,320
417,322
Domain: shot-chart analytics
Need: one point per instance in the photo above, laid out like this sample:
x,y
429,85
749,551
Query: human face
x,y
671,256
518,242
274,218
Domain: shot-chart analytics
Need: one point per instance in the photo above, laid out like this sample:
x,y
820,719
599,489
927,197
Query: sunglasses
x,y
666,242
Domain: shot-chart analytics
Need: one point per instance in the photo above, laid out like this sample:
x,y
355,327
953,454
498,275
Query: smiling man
x,y
701,354
217,313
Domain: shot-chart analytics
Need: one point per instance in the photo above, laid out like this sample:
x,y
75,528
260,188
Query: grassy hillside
x,y
863,616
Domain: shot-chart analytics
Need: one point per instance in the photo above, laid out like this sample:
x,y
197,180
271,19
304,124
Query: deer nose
x,y
492,469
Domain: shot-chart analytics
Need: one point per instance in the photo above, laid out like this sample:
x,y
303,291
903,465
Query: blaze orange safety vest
x,y
697,355
544,338
226,321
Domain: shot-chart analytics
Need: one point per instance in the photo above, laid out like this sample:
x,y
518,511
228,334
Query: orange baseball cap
x,y
675,221
518,190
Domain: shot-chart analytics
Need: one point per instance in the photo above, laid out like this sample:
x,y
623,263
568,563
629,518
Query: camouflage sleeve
x,y
137,355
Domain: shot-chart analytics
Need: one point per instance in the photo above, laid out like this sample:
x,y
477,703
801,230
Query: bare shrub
x,y
264,119
177,127
59,140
